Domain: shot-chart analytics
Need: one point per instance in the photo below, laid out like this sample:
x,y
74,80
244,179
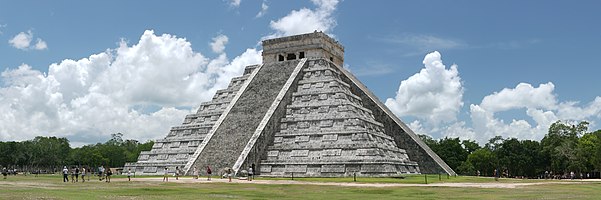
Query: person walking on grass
x,y
76,174
129,174
72,175
250,174
4,172
208,173
100,173
176,173
195,173
83,174
108,175
229,174
166,175
65,174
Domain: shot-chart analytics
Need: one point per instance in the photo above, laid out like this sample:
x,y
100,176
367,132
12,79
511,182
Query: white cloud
x,y
426,42
23,41
218,44
88,99
306,20
522,96
434,94
263,10
40,45
541,107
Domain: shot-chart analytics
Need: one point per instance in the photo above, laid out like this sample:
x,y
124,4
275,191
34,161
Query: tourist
x,y
208,173
496,174
129,174
250,174
65,174
83,174
229,174
572,175
108,175
4,172
76,174
195,173
100,173
176,173
166,175
72,175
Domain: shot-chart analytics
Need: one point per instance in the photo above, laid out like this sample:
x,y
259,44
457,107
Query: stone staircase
x,y
221,149
182,141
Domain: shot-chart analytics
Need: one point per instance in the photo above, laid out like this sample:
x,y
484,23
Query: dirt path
x,y
473,185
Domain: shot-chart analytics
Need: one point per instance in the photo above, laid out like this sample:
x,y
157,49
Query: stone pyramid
x,y
298,112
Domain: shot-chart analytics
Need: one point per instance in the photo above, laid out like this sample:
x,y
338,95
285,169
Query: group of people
x,y
196,173
178,172
571,175
106,173
75,172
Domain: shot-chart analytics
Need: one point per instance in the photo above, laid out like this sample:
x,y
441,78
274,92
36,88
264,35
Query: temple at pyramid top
x,y
299,112
311,45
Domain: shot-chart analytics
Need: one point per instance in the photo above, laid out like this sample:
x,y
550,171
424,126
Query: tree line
x,y
565,148
50,154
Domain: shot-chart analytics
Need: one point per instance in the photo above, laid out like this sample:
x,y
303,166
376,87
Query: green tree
x,y
589,151
451,151
483,160
560,146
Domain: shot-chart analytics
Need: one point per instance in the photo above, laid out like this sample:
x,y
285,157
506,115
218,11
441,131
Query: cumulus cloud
x,y
40,45
263,10
88,99
306,20
218,44
23,41
522,96
541,106
434,94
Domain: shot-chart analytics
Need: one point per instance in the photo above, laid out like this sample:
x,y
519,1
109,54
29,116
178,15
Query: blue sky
x,y
84,70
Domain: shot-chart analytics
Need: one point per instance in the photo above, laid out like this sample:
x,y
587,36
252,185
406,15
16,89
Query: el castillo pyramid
x,y
298,112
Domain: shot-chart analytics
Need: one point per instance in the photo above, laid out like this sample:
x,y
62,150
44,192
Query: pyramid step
x,y
232,134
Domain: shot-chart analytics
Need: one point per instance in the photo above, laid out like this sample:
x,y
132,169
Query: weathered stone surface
x,y
230,137
176,148
299,112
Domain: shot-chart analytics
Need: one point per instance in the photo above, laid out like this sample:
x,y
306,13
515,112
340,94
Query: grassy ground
x,y
52,187
412,179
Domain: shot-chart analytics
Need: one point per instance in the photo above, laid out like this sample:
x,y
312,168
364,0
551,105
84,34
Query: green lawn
x,y
412,178
52,187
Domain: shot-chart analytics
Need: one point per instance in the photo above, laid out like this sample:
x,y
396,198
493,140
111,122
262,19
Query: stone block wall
x,y
182,141
427,160
226,144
